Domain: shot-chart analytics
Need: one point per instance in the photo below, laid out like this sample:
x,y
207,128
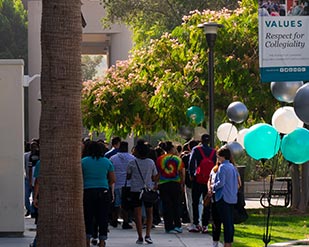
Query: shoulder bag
x,y
147,195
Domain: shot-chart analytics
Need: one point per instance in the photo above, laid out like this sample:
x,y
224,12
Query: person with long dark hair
x,y
98,177
141,171
225,188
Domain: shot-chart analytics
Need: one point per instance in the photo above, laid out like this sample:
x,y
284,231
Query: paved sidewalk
x,y
120,238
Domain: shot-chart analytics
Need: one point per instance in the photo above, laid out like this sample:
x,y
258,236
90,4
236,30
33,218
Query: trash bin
x,y
241,170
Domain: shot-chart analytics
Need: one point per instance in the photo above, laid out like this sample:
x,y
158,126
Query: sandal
x,y
102,243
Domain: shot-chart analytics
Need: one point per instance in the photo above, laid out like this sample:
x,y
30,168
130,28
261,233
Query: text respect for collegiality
x,y
283,41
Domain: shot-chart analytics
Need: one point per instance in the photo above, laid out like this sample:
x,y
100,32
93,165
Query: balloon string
x,y
275,147
230,132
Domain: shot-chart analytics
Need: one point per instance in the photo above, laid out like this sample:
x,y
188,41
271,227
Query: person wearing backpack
x,y
201,162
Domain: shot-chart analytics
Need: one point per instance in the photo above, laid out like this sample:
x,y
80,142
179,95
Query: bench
x,y
284,193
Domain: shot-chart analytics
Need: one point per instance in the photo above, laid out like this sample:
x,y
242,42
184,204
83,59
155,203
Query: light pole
x,y
210,29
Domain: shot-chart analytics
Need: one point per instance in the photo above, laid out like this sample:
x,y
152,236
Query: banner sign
x,y
283,47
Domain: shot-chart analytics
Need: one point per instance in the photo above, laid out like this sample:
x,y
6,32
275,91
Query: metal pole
x,y
211,95
210,29
211,39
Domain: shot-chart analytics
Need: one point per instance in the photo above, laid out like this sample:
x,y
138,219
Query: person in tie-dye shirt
x,y
172,176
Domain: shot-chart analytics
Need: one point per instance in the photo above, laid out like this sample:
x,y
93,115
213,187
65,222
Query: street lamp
x,y
210,29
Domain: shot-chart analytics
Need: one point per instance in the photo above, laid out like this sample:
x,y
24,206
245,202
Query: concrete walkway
x,y
120,238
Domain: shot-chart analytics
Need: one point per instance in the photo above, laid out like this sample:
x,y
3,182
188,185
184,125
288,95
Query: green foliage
x,y
89,66
255,170
149,19
153,89
13,30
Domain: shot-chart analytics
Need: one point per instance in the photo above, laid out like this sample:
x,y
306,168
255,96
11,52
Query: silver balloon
x,y
235,148
301,103
285,91
237,112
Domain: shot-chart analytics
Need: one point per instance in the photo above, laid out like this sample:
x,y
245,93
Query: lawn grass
x,y
285,225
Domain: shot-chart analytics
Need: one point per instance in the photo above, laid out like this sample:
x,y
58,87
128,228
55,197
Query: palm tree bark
x,y
61,220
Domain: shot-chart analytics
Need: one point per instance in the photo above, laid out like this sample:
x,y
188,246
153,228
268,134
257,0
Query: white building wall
x,y
121,44
12,147
115,41
34,65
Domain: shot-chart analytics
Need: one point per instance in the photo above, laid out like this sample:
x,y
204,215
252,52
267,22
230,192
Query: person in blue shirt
x,y
225,188
98,178
115,147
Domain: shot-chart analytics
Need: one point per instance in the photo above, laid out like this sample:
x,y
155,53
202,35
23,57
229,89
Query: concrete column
x,y
12,147
121,44
34,64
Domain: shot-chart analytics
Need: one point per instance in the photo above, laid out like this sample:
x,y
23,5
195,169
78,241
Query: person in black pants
x,y
199,189
171,181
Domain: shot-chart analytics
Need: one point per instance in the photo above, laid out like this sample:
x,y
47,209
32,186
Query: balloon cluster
x,y
262,141
293,92
237,112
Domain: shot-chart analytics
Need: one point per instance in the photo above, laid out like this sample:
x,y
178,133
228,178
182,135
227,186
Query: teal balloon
x,y
262,141
195,114
295,146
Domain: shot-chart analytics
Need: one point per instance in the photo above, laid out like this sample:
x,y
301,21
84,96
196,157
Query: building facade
x,y
114,42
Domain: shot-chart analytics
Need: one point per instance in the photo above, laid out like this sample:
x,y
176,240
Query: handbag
x,y
240,214
207,200
147,195
126,200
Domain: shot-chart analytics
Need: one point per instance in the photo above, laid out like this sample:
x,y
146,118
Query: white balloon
x,y
198,132
285,120
241,135
227,132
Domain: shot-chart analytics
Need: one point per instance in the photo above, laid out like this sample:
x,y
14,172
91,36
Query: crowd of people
x,y
275,8
182,175
272,8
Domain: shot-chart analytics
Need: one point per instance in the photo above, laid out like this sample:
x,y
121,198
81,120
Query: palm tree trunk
x,y
61,220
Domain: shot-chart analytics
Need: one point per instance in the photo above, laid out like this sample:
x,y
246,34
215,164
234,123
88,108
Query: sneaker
x,y
205,229
148,240
194,228
139,241
178,229
215,244
171,231
94,241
